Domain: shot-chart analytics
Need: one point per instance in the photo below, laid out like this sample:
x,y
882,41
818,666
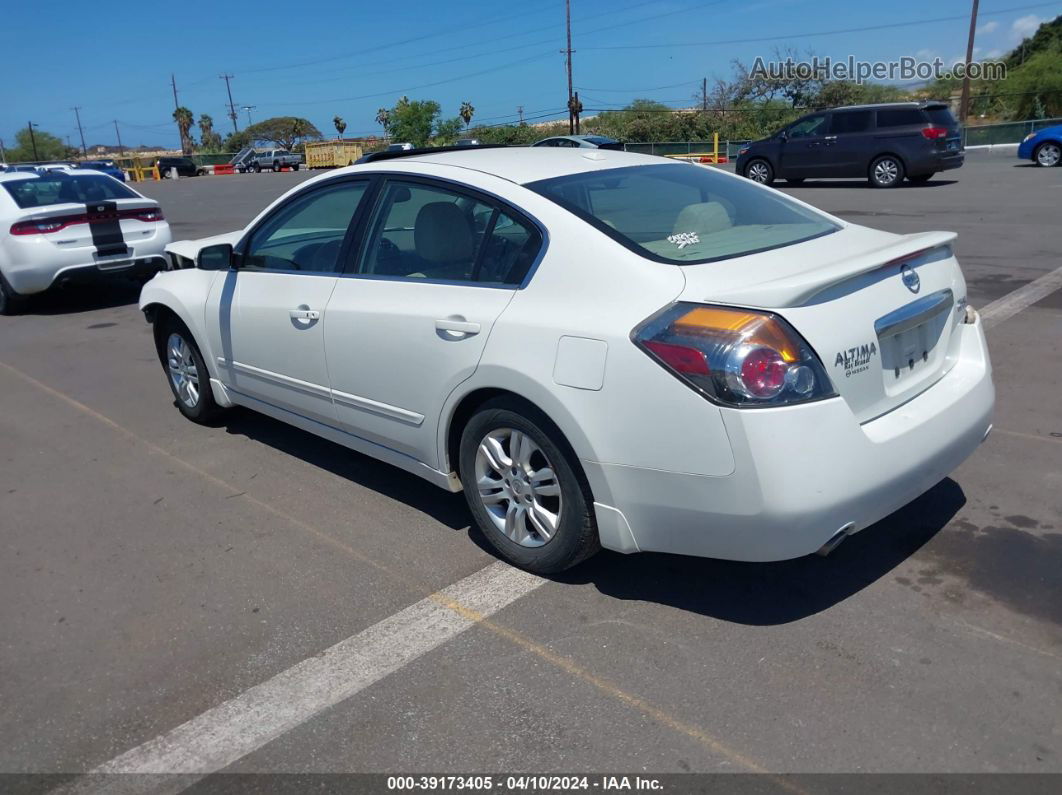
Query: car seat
x,y
444,241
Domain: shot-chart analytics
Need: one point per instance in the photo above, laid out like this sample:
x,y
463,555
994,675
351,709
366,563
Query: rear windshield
x,y
684,213
66,189
941,117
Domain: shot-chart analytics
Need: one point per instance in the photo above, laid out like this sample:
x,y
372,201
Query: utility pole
x,y
232,106
77,115
964,103
704,93
568,60
118,135
249,108
173,82
3,152
33,141
520,112
577,108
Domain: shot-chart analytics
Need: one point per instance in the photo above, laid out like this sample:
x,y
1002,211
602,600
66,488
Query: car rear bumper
x,y
936,161
38,265
802,472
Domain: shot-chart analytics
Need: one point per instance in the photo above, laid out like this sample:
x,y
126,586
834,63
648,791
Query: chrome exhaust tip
x,y
835,540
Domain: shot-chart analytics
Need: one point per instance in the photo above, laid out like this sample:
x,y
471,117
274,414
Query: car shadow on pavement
x,y
446,508
774,593
71,301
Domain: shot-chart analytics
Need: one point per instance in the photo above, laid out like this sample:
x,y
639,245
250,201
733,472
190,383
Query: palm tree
x,y
340,124
382,117
184,118
466,112
207,137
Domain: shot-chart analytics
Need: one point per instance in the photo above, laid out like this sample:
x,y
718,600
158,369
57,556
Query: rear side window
x,y
682,213
852,122
900,117
941,117
62,189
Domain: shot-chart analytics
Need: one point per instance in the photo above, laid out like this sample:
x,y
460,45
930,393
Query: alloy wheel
x,y
886,171
183,373
1049,155
758,172
518,487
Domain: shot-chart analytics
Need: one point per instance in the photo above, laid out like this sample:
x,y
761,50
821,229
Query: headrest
x,y
704,218
442,233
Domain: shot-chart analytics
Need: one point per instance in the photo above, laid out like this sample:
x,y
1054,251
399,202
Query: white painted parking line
x,y
235,728
1012,303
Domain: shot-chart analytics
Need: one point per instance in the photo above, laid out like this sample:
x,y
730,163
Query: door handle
x,y
304,314
456,328
830,138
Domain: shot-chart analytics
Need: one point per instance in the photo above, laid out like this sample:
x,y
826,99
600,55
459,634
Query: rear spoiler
x,y
801,288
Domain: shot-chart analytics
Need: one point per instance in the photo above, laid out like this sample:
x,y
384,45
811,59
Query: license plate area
x,y
910,338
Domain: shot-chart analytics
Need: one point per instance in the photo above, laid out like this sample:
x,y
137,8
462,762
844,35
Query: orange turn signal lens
x,y
749,327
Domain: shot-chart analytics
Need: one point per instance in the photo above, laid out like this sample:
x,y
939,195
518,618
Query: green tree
x,y
209,140
282,131
466,112
49,147
185,118
448,131
412,121
339,124
236,141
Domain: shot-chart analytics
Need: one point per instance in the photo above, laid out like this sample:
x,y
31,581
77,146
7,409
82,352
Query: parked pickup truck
x,y
275,159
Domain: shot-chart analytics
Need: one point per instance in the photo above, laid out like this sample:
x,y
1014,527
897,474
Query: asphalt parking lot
x,y
153,569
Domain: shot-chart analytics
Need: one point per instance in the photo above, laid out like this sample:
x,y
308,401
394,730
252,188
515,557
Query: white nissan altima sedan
x,y
601,349
68,226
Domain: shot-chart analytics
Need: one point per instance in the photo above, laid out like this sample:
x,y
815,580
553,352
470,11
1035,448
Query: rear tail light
x,y
46,226
736,357
934,133
147,214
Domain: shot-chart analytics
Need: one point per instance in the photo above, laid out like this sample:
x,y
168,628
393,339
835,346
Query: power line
x,y
806,34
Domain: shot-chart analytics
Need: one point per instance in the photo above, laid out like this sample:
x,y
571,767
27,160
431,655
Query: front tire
x,y
886,172
186,373
257,168
1048,154
525,488
276,167
759,171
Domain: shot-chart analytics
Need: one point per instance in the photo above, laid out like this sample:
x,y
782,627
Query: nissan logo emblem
x,y
910,278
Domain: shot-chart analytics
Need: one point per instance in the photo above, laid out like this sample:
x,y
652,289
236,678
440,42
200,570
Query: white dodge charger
x,y
67,226
600,348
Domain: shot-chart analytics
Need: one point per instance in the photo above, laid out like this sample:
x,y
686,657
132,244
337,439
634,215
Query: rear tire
x,y
525,488
10,301
886,171
257,168
186,373
1048,154
295,167
760,171
276,167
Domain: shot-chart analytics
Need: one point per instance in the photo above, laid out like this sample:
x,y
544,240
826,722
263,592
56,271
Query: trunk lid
x,y
879,309
79,234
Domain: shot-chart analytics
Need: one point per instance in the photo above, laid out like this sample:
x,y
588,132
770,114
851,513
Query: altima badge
x,y
910,278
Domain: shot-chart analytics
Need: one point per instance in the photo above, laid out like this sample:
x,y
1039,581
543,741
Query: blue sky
x,y
329,57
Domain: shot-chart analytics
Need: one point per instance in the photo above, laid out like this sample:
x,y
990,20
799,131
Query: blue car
x,y
1043,147
107,167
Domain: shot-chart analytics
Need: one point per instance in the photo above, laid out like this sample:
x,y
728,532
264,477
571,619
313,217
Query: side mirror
x,y
215,258
783,135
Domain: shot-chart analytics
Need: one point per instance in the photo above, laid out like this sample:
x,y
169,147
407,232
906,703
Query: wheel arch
x,y
462,406
889,153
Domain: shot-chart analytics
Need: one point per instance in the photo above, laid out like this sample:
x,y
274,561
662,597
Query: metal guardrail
x,y
1011,132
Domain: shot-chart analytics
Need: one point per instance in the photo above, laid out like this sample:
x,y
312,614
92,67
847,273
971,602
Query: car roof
x,y
919,104
524,164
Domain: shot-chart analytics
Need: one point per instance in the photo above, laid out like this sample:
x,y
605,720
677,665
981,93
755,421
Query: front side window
x,y
812,125
56,188
683,213
424,231
307,234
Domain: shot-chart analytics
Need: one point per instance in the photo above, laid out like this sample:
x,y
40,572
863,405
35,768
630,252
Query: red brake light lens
x,y
934,133
737,357
46,226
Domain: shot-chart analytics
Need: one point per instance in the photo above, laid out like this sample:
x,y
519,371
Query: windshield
x,y
63,189
684,213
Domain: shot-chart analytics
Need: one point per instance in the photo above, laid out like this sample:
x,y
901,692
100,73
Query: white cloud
x,y
1026,26
993,54
988,27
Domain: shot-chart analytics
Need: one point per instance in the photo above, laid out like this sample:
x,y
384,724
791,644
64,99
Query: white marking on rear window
x,y
683,239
